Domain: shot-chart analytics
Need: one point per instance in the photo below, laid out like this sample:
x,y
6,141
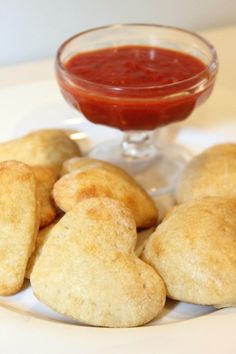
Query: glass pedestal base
x,y
156,171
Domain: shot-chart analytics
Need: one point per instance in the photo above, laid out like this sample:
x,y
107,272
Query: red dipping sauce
x,y
134,87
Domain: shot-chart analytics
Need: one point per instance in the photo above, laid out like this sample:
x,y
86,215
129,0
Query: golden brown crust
x,y
112,182
46,178
212,173
19,222
194,250
84,163
49,147
88,270
41,239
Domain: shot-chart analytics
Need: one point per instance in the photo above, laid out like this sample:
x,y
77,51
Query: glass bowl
x,y
137,109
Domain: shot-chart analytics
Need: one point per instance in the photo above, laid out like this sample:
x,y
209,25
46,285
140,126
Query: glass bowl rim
x,y
212,67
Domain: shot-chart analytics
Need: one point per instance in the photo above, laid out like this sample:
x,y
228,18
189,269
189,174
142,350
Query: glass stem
x,y
137,145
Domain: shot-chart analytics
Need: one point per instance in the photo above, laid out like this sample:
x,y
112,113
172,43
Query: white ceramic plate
x,y
27,326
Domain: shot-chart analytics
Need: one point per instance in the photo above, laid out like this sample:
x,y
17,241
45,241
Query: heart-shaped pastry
x,y
98,179
88,270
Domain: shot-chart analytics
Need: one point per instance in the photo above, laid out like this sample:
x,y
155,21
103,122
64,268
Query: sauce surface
x,y
134,65
133,87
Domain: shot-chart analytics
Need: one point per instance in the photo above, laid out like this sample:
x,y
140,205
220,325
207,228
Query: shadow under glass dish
x,y
95,70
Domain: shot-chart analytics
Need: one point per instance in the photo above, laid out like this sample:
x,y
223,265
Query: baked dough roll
x,y
19,223
99,179
212,173
194,251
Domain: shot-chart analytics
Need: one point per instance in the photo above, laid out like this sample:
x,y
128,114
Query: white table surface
x,y
26,72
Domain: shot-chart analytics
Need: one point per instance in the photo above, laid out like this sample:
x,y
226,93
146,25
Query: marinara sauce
x,y
134,87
